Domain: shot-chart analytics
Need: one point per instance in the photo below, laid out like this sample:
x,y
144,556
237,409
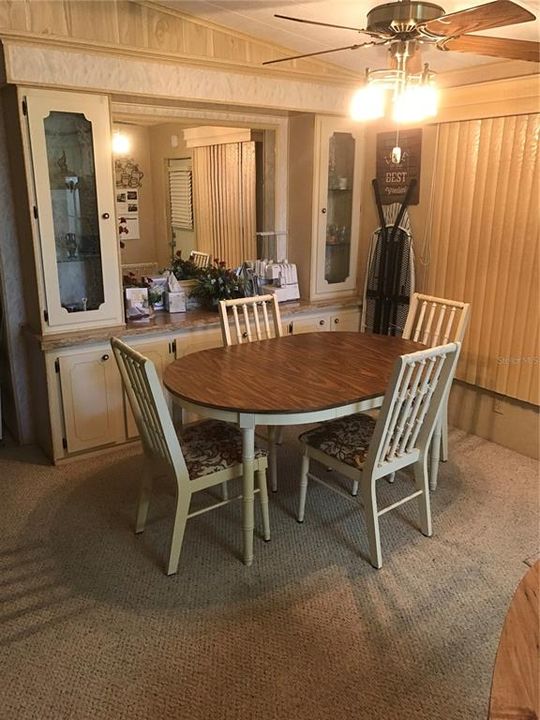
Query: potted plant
x,y
217,282
183,269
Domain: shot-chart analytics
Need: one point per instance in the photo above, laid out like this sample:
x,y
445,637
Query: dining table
x,y
291,380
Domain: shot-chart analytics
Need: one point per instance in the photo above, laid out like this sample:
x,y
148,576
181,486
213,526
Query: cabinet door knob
x,y
336,320
105,216
323,211
322,322
105,357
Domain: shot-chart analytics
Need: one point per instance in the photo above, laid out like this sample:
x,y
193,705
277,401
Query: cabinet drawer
x,y
197,340
345,321
320,323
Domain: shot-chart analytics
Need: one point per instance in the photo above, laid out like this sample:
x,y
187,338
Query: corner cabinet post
x,y
69,143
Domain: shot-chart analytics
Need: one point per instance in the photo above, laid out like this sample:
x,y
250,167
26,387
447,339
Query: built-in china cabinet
x,y
325,171
62,165
66,137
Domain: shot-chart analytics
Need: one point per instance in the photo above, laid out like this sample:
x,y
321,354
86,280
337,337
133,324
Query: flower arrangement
x,y
183,269
217,282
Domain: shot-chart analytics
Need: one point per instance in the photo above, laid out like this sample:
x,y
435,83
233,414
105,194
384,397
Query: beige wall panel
x,y
94,20
142,249
227,47
196,39
164,32
49,18
14,15
484,247
131,21
502,420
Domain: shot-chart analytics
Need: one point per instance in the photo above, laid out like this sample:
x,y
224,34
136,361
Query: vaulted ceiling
x,y
256,18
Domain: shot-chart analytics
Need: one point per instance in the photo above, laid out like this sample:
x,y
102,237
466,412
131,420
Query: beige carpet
x,y
91,628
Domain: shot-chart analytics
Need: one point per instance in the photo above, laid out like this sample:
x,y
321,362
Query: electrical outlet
x,y
498,406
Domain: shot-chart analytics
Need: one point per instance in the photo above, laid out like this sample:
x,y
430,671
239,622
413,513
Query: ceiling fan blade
x,y
323,24
323,52
494,47
482,17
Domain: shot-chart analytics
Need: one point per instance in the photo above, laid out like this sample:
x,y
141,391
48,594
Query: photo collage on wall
x,y
128,181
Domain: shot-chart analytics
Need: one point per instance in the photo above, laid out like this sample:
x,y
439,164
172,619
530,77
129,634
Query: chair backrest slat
x,y
411,405
253,318
436,321
255,308
199,259
145,395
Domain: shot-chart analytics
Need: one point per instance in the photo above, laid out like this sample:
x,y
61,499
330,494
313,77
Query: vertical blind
x,y
180,196
484,247
224,201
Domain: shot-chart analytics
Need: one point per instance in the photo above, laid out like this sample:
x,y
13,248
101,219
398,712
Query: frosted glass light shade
x,y
415,103
367,103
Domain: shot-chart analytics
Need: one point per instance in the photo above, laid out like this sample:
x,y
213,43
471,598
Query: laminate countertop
x,y
164,322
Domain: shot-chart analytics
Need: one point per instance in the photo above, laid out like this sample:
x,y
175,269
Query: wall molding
x,y
45,65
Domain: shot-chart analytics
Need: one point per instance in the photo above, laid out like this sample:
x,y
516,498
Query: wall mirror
x,y
195,185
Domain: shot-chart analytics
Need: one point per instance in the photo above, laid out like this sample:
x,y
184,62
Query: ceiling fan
x,y
412,23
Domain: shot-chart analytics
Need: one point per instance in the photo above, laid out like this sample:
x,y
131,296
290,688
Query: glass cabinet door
x,y
72,183
339,207
339,198
70,147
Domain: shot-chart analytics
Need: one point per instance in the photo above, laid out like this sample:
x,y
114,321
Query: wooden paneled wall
x,y
484,243
224,201
141,25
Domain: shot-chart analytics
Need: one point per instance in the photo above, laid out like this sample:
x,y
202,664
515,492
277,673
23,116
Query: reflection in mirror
x,y
220,175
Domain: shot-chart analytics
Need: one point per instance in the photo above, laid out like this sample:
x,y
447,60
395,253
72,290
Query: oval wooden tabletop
x,y
515,686
296,373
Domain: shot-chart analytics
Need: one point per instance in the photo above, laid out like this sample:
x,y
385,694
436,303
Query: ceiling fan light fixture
x,y
415,103
368,103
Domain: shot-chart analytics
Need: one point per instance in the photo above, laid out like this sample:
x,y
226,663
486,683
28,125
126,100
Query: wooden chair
x,y
254,318
199,259
203,455
434,321
365,450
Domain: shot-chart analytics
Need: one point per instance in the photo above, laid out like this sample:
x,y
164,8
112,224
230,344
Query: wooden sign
x,y
394,177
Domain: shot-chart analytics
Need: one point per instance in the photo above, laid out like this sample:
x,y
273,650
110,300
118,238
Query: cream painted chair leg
x,y
279,435
435,454
263,495
144,500
444,436
369,499
180,520
224,491
303,487
354,490
248,520
424,508
272,458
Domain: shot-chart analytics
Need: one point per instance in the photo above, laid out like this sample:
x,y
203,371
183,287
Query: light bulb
x,y
120,143
367,103
415,103
396,155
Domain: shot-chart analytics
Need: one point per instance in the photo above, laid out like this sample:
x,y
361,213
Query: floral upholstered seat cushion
x,y
210,446
346,439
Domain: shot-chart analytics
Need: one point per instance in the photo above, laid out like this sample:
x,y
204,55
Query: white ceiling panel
x,y
256,18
